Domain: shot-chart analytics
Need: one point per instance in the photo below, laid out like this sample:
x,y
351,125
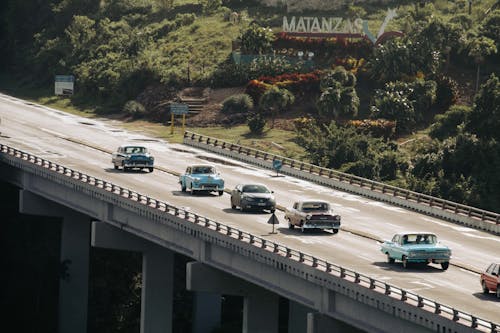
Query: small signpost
x,y
277,164
273,220
178,108
64,84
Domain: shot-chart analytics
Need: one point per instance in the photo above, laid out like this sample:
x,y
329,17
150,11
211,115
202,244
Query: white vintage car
x,y
132,156
312,214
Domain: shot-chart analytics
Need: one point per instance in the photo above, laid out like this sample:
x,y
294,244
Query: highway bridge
x,y
61,163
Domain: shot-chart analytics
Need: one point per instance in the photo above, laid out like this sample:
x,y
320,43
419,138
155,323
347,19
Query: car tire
x,y
406,264
221,193
273,210
390,260
485,289
183,188
498,291
335,231
151,169
116,166
233,206
445,265
290,226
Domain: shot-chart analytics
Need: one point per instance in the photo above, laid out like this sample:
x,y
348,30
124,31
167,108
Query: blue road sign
x,y
277,164
179,108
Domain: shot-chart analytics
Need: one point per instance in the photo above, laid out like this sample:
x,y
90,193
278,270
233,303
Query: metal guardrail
x,y
335,270
371,185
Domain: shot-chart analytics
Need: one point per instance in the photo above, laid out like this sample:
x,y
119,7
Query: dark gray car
x,y
253,196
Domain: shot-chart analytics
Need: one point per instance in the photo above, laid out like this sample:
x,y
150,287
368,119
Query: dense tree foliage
x,y
343,148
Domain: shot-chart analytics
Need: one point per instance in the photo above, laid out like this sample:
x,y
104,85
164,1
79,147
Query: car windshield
x,y
419,239
135,150
203,169
255,189
308,206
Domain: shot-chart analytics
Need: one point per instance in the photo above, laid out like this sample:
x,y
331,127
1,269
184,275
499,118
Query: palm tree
x,y
480,48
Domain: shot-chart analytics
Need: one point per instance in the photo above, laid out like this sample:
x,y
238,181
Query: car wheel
x,y
116,166
183,188
290,225
151,169
445,265
221,193
273,210
485,289
390,260
335,231
233,206
498,291
406,264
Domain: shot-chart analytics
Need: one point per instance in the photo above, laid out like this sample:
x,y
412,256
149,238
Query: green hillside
x,y
410,111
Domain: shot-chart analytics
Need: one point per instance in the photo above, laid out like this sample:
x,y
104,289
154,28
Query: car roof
x,y
312,200
132,145
202,165
415,233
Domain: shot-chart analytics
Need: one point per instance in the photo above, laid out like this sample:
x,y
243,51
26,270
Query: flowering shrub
x,y
376,127
297,83
321,46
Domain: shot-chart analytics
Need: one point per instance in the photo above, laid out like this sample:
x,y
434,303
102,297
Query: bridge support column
x,y
157,275
319,323
75,242
260,307
206,312
297,317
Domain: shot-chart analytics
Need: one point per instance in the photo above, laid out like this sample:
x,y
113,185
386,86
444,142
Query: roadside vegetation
x,y
418,111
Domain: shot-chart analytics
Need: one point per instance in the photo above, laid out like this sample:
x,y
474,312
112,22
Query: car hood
x,y
429,247
205,175
138,155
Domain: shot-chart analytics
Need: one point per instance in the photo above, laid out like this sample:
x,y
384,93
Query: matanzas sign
x,y
336,27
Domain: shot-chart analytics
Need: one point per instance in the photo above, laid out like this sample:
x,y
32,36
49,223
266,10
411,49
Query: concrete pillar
x,y
319,323
260,307
157,275
75,243
297,317
260,311
206,312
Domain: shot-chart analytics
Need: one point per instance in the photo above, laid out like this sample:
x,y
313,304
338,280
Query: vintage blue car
x,y
132,157
416,247
201,178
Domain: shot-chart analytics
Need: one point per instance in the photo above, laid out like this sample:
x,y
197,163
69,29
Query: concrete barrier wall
x,y
461,214
326,287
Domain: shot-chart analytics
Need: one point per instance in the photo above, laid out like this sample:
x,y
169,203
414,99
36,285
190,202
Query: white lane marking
x,y
423,284
386,206
53,132
365,258
496,239
301,239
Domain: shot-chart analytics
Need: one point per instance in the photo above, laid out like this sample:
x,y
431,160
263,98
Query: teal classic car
x,y
201,178
416,247
132,157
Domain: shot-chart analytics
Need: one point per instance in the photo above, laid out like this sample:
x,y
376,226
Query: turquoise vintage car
x,y
416,247
132,157
201,178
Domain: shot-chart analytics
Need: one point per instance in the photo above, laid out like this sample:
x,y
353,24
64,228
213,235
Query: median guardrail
x,y
60,173
433,206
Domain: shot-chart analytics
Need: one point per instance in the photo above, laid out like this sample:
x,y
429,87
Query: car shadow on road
x,y
491,297
246,212
197,194
131,171
412,268
307,233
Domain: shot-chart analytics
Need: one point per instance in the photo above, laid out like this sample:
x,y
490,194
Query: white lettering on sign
x,y
307,24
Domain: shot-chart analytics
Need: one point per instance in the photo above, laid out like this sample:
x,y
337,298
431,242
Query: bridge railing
x,y
333,269
354,183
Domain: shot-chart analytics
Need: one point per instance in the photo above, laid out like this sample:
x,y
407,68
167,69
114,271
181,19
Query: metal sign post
x,y
277,164
178,108
273,220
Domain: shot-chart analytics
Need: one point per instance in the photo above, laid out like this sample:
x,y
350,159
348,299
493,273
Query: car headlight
x,y
308,216
151,158
196,179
